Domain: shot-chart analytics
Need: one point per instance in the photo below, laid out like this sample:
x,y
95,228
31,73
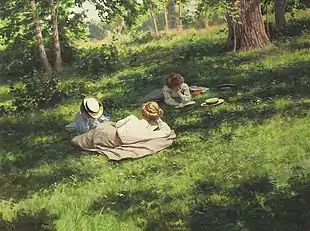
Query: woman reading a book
x,y
130,137
174,92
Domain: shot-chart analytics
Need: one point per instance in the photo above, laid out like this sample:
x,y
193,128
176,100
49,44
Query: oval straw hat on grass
x,y
212,102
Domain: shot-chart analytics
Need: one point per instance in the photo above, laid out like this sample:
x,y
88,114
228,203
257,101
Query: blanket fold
x,y
104,140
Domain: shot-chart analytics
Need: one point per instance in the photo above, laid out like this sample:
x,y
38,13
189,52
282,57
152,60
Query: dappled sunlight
x,y
229,165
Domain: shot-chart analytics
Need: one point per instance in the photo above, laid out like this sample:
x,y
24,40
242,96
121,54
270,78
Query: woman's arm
x,y
82,125
163,126
168,99
185,94
164,130
120,123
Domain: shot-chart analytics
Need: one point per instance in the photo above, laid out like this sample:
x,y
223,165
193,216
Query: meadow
x,y
243,165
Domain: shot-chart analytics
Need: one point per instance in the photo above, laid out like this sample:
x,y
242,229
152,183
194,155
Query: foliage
x,y
229,165
19,38
37,92
98,30
99,60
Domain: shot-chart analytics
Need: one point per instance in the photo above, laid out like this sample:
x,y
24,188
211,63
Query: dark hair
x,y
82,109
174,80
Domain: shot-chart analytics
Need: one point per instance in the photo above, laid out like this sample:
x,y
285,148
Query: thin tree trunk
x,y
180,17
153,19
267,22
172,14
56,43
120,29
166,16
249,31
280,14
42,53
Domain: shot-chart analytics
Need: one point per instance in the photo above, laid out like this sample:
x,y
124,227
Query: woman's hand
x,y
181,90
181,105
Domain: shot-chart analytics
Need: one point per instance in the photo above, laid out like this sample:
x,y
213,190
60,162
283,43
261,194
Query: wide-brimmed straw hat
x,y
212,102
93,106
225,86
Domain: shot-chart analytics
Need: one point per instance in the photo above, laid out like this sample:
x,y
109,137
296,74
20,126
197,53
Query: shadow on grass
x,y
253,204
27,145
32,143
18,185
212,120
41,221
294,28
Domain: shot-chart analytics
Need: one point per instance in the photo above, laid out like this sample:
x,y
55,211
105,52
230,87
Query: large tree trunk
x,y
56,44
42,53
180,17
280,13
172,14
166,16
153,19
247,32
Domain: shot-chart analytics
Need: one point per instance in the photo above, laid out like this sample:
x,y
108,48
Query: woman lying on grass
x,y
174,92
90,116
130,137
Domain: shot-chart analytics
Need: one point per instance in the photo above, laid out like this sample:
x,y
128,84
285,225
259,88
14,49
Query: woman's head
x,y
174,81
151,111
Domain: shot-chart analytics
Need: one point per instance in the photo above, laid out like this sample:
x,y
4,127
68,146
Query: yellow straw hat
x,y
212,102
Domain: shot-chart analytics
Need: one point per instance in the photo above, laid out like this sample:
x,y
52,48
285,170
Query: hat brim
x,y
94,115
220,101
226,85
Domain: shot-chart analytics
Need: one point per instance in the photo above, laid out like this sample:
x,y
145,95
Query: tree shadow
x,y
292,76
254,204
33,142
29,144
126,203
214,119
294,28
18,185
40,221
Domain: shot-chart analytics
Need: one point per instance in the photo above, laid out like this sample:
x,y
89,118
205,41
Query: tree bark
x,y
56,43
267,22
153,19
166,16
172,14
38,33
247,32
180,17
280,14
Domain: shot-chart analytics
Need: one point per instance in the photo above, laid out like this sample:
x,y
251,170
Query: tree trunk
x,y
153,19
56,44
42,53
267,21
166,16
247,32
180,17
172,14
280,13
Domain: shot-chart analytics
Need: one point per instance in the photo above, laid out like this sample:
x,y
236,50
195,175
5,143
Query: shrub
x,y
38,91
103,60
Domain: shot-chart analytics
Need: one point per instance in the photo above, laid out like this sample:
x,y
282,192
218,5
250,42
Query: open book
x,y
186,104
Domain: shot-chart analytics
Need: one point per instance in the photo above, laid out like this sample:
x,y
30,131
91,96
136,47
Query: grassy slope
x,y
239,166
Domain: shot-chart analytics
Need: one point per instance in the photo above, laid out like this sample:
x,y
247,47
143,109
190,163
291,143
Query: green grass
x,y
243,165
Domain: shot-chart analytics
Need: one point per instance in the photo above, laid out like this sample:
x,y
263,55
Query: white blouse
x,y
131,130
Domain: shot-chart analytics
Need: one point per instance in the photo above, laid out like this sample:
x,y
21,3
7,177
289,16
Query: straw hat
x,y
212,102
93,106
226,86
